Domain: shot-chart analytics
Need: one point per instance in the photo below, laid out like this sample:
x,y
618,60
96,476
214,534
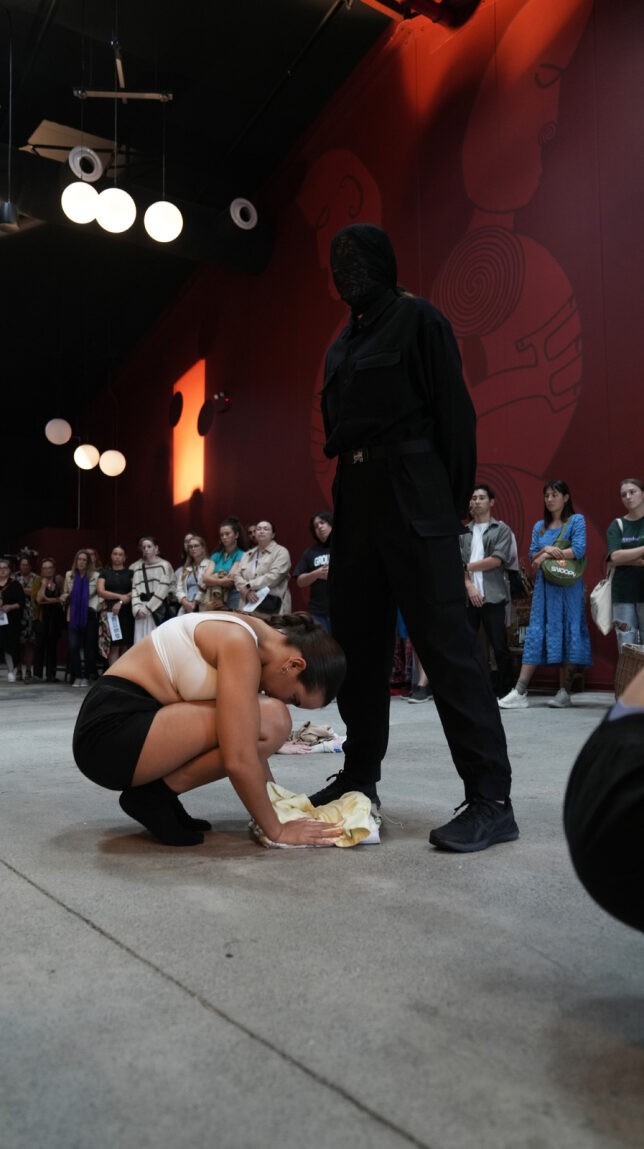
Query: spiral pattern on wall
x,y
480,283
508,502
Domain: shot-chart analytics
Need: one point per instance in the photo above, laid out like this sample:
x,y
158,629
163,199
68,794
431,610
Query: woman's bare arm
x,y
232,651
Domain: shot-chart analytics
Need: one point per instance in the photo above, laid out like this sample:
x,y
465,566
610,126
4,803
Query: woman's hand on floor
x,y
308,832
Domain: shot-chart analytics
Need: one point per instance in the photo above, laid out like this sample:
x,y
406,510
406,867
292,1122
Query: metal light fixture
x,y
79,200
8,210
86,457
116,210
163,221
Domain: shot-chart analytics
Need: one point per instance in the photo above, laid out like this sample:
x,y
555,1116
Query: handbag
x,y
563,572
162,614
164,611
601,598
629,664
270,605
601,603
214,598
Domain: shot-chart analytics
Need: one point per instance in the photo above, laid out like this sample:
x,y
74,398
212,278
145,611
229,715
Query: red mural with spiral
x,y
508,297
501,158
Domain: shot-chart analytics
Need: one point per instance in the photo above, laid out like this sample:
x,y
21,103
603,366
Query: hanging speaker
x,y
205,417
219,404
175,409
243,213
85,164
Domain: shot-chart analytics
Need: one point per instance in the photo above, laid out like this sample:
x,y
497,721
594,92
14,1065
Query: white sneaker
x,y
83,682
76,683
11,676
560,700
514,701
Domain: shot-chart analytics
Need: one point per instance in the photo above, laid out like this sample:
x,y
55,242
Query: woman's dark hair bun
x,y
325,662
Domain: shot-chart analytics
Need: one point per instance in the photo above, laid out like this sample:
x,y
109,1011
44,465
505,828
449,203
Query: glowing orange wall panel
x,y
187,444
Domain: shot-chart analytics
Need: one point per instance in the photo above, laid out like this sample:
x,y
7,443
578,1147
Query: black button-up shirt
x,y
395,375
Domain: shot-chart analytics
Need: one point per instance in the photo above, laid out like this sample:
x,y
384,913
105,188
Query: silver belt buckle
x,y
357,456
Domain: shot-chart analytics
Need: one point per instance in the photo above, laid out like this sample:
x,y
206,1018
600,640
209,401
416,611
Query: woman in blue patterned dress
x,y
557,633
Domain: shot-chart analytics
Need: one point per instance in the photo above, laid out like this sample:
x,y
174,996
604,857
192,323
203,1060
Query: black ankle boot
x,y
186,820
154,806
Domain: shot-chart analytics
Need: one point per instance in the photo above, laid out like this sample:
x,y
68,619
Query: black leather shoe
x,y
341,783
481,824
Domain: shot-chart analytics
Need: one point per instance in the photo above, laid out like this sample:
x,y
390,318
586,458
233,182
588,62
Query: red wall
x,y
504,160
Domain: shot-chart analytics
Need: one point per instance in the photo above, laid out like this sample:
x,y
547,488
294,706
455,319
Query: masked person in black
x,y
399,419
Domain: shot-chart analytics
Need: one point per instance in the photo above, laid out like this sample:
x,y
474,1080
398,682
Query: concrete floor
x,y
378,997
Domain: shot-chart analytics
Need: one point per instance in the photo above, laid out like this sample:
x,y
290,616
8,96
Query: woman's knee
x,y
275,722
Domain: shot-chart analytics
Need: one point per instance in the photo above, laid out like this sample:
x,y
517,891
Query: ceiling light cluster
x,y
86,455
113,208
115,211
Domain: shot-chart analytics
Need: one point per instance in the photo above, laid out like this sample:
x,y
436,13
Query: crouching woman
x,y
201,698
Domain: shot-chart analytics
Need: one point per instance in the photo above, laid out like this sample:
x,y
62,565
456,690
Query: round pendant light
x,y
58,431
86,456
79,202
163,221
115,210
112,463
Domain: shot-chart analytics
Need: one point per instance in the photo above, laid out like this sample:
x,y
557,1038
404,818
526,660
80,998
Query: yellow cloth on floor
x,y
352,811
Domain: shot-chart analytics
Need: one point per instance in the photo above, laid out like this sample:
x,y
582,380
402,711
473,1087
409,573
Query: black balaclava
x,y
363,265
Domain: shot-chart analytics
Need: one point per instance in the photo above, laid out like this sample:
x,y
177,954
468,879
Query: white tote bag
x,y
601,603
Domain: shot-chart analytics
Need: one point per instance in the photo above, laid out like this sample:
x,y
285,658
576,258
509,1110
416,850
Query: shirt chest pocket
x,y
376,378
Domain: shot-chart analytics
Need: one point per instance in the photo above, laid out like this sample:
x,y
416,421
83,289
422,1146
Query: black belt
x,y
386,451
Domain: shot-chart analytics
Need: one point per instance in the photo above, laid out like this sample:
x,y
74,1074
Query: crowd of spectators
x,y
71,626
102,607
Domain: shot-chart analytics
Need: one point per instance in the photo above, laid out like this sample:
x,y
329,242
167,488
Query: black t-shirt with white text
x,y
316,556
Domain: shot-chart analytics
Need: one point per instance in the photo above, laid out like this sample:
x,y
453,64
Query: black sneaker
x,y
420,694
481,824
341,783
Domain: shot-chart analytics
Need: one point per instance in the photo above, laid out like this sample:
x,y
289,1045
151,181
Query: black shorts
x,y
110,731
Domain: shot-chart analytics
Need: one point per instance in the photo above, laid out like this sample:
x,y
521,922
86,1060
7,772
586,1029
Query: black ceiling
x,y
247,77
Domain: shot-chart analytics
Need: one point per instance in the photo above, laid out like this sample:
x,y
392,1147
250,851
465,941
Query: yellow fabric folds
x,y
352,811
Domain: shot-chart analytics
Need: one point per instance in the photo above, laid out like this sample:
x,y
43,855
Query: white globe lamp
x,y
115,210
86,456
112,463
58,431
163,221
79,202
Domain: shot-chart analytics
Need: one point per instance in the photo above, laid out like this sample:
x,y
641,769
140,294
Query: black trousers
x,y
48,630
83,639
492,616
379,562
